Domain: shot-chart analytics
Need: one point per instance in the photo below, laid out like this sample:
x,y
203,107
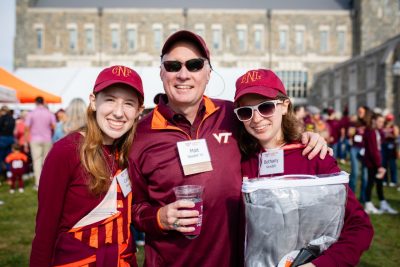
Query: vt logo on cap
x,y
121,71
251,76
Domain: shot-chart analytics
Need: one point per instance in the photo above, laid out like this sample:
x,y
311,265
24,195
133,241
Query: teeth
x,y
183,87
115,123
259,128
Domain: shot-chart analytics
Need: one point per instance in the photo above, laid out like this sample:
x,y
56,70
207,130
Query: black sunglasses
x,y
265,109
191,65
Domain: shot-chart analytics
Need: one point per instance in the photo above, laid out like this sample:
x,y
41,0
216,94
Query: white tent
x,y
8,95
70,83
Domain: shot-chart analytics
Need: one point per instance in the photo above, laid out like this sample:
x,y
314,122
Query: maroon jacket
x,y
64,199
334,130
156,169
357,232
372,157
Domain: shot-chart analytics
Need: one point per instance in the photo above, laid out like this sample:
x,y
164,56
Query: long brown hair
x,y
291,130
92,155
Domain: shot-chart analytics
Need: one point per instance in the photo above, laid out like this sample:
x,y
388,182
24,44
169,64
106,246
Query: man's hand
x,y
315,144
177,215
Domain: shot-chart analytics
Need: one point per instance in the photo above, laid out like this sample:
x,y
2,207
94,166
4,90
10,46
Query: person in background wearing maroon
x,y
373,161
268,124
85,194
185,114
17,161
334,131
357,151
390,133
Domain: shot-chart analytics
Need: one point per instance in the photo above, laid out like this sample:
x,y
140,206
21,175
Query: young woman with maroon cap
x,y
268,123
85,193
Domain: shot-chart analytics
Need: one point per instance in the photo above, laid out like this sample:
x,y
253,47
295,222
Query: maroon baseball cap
x,y
189,37
262,82
118,74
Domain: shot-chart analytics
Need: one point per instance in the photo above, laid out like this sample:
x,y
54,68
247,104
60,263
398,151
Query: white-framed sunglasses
x,y
265,109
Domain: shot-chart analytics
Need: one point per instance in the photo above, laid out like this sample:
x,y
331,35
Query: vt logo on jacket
x,y
222,137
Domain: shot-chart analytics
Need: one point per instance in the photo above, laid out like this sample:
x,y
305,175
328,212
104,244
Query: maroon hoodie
x,y
156,169
357,232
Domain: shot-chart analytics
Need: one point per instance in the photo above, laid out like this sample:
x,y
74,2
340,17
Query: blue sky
x,y
7,20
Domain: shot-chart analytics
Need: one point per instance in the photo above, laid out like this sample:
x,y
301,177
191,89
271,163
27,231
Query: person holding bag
x,y
268,139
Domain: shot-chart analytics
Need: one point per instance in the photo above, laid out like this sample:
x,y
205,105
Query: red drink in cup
x,y
192,193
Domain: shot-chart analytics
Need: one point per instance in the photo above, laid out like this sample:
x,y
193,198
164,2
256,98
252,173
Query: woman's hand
x,y
178,215
315,144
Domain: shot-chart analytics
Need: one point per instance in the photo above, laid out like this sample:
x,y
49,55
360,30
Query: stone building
x,y
295,38
372,77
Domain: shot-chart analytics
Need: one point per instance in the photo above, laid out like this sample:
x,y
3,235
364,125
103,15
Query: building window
x,y
199,29
157,35
73,39
216,39
132,39
299,41
242,39
258,39
323,41
283,40
341,41
295,82
371,99
115,39
89,36
39,39
371,75
173,28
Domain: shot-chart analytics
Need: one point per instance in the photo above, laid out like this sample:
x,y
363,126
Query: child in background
x,y
17,161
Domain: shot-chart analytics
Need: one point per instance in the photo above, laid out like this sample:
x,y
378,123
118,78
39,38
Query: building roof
x,y
192,4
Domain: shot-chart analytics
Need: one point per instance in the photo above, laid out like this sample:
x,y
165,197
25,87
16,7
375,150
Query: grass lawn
x,y
17,222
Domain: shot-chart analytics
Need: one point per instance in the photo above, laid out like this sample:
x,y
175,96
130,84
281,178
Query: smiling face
x,y
268,131
184,88
117,108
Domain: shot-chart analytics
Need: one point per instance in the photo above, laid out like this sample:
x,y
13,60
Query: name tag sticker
x,y
358,138
271,162
124,182
194,156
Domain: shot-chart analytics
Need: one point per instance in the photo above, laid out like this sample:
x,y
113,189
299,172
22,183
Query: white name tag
x,y
358,138
194,156
124,182
271,162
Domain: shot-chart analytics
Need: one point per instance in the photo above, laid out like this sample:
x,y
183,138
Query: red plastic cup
x,y
192,193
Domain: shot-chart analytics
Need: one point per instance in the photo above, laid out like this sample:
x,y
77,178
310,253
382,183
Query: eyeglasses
x,y
192,65
265,109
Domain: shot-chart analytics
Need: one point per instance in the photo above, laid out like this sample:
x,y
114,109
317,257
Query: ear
x,y
285,106
140,110
92,100
209,75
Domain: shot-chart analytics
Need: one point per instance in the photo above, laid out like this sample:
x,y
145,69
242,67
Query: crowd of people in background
x,y
27,136
368,141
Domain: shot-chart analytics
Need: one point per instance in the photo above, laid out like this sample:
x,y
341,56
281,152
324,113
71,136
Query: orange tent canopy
x,y
26,93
